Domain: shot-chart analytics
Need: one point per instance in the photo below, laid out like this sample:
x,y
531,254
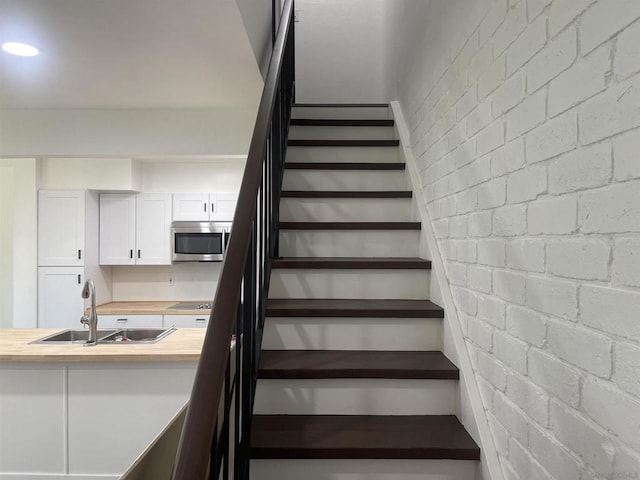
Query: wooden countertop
x,y
184,344
149,308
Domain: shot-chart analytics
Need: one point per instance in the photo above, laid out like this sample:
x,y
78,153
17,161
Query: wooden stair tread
x,y
361,437
354,308
343,143
352,263
300,364
346,194
350,226
345,166
335,122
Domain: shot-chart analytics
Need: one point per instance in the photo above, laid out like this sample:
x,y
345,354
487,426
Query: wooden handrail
x,y
192,461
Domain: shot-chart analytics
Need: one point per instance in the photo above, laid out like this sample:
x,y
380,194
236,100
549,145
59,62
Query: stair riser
x,y
340,180
340,133
355,397
364,284
347,113
342,154
363,469
349,243
352,334
345,210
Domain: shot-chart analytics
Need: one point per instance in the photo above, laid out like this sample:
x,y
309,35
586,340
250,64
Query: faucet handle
x,y
84,320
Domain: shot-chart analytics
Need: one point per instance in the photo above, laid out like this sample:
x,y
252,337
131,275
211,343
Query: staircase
x,y
352,382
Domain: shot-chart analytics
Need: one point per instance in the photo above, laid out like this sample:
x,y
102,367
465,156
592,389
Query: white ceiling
x,y
127,54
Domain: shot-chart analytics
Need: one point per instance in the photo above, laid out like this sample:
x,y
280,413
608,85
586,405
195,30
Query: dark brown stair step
x,y
343,143
345,166
333,307
326,122
301,364
345,194
352,263
350,226
340,105
361,437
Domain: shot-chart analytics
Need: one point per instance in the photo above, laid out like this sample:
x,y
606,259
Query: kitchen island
x,y
70,411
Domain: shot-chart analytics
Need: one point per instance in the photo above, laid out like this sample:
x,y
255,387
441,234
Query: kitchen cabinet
x,y
60,303
204,207
185,321
66,221
129,321
135,229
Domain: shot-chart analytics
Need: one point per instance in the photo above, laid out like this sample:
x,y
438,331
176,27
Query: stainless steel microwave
x,y
199,241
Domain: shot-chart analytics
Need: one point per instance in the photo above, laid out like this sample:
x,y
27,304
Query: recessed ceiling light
x,y
20,49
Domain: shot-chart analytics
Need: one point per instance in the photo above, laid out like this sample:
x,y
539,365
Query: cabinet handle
x,y
201,319
122,320
138,253
212,208
79,280
79,254
131,253
205,206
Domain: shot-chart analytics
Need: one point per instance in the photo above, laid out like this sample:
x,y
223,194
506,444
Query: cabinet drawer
x,y
186,321
129,321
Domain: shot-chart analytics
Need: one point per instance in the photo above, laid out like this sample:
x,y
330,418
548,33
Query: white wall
x,y
6,246
339,52
256,17
91,174
223,174
22,282
525,121
125,133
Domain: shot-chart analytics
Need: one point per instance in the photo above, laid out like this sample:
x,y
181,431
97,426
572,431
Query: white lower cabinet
x,y
129,321
60,303
186,321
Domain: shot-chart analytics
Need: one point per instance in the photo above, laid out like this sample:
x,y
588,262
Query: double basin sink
x,y
121,336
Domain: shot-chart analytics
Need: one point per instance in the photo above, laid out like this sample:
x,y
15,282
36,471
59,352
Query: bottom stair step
x,y
361,437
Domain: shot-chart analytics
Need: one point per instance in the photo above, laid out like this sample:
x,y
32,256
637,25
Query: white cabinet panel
x,y
224,207
60,304
61,228
32,425
186,321
194,207
117,229
153,228
130,321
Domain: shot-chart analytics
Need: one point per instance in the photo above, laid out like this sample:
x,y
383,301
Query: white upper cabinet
x,y
204,207
194,207
135,229
117,229
61,228
153,229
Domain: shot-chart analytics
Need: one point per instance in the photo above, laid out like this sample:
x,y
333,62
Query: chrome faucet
x,y
89,290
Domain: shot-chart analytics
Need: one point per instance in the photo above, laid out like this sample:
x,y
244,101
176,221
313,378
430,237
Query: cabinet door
x,y
194,207
61,228
60,303
224,206
186,321
129,321
153,229
117,229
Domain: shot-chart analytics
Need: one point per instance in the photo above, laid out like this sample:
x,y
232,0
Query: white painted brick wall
x,y
528,135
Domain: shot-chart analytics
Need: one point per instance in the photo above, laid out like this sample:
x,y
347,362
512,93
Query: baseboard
x,y
56,476
469,386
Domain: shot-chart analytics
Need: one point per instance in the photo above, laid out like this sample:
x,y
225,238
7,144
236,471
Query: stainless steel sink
x,y
137,335
113,336
72,336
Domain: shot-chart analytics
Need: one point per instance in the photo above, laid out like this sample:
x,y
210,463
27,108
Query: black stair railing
x,y
215,441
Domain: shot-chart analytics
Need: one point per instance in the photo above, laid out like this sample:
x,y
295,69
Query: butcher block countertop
x,y
149,308
184,344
